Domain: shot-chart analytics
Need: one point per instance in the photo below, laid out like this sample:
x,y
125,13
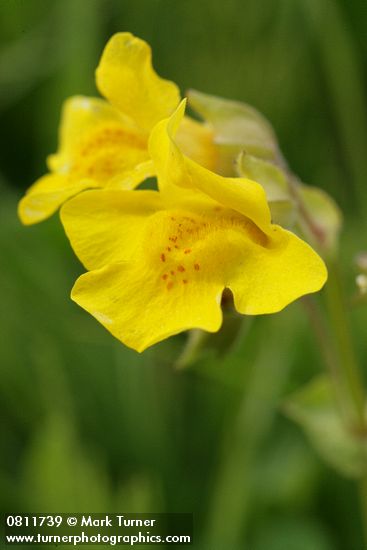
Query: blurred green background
x,y
88,425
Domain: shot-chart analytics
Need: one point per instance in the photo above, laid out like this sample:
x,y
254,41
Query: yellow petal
x,y
274,276
97,149
96,143
134,304
196,141
162,288
173,277
46,195
125,76
80,115
105,226
132,179
174,169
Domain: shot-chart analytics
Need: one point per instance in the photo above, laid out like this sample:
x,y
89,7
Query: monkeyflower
x,y
159,261
104,143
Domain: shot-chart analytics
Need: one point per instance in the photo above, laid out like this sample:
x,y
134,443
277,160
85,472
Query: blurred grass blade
x,y
344,76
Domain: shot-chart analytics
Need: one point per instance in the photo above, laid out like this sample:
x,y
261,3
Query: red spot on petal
x,y
165,276
169,248
187,250
197,267
181,268
163,257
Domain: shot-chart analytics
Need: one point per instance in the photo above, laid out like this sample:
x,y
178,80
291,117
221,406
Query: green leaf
x,y
237,124
314,409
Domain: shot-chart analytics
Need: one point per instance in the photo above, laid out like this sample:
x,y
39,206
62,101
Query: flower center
x,y
185,246
106,152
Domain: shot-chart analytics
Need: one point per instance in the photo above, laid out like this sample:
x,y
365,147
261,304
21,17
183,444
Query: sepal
x,y
236,124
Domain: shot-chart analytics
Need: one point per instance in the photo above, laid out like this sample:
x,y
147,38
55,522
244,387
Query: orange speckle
x,y
181,268
169,285
177,247
197,267
187,250
173,239
163,257
172,272
165,276
184,281
169,248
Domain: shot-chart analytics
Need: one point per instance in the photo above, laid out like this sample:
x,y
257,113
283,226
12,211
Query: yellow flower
x,y
160,261
104,143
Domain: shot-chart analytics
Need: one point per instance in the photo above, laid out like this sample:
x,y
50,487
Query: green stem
x,y
346,368
343,367
326,345
344,344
